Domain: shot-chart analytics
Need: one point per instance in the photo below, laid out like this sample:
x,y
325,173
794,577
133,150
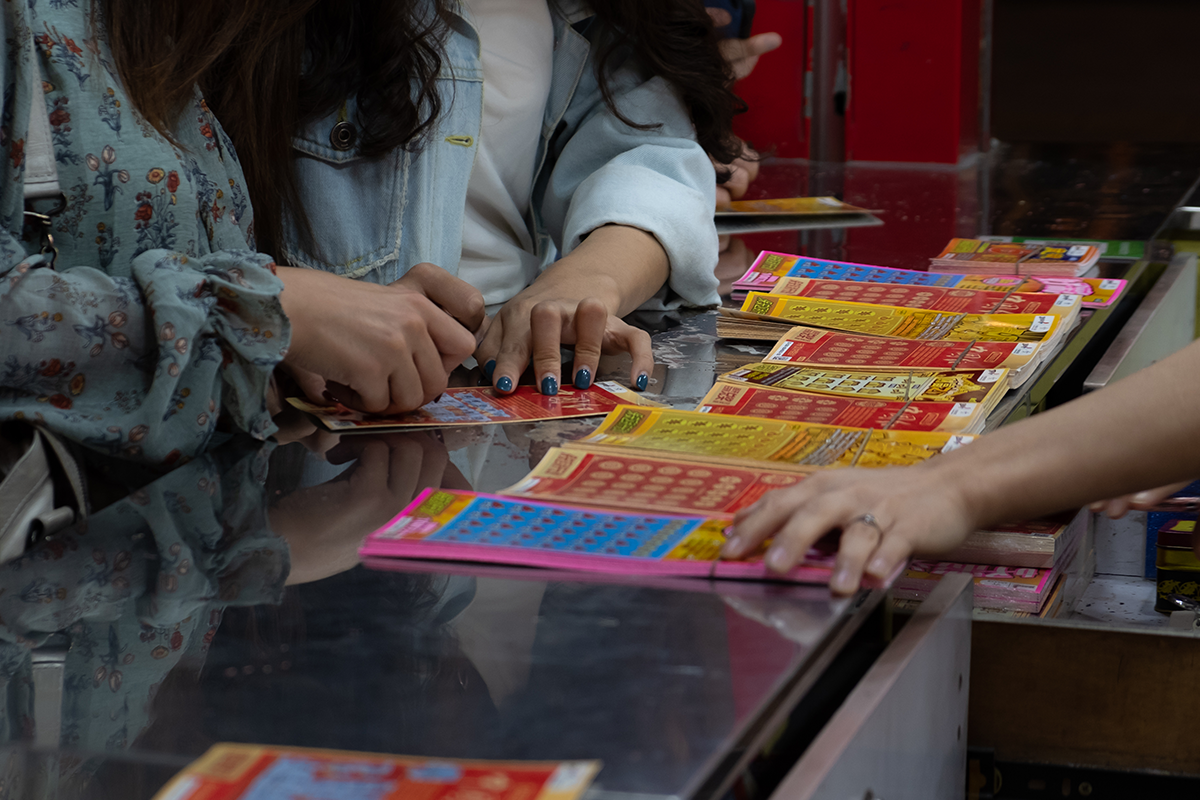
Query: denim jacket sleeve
x,y
659,180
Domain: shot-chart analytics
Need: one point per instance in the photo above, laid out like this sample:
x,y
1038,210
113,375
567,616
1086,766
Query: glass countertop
x,y
182,632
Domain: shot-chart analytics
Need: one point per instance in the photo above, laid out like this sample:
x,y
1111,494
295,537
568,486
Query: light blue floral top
x,y
160,318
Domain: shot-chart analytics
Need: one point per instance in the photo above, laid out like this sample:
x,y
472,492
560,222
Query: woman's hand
x,y
915,510
379,349
578,302
742,172
743,54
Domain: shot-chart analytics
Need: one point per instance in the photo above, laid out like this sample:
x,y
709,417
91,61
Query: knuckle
x,y
545,311
593,305
474,304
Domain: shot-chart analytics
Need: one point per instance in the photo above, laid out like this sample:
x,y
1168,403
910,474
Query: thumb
x,y
311,385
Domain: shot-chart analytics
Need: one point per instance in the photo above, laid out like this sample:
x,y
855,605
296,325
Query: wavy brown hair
x,y
267,67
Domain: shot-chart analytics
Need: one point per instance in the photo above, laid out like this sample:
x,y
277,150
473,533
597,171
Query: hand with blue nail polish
x,y
578,302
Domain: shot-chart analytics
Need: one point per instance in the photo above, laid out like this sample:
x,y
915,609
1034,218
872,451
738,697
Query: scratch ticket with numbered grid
x,y
984,386
770,267
446,525
902,323
719,438
254,772
857,412
480,406
835,350
631,479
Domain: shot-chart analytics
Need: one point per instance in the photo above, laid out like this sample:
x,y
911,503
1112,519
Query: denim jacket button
x,y
343,136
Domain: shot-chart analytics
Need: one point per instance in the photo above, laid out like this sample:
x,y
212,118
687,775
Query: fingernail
x,y
643,381
1141,497
329,396
731,546
549,386
489,368
878,568
583,378
840,581
777,560
438,399
504,385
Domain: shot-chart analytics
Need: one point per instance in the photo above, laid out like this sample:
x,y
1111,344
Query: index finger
x,y
453,341
456,297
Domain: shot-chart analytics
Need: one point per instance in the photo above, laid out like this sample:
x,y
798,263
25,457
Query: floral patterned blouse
x,y
159,317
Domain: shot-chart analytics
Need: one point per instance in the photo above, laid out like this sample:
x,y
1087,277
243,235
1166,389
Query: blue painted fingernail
x,y
549,386
489,368
504,385
583,378
642,382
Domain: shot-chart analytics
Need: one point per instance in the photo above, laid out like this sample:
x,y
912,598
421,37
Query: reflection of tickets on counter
x,y
481,406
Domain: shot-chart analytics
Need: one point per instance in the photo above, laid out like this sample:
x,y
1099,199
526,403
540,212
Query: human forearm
x,y
620,265
1137,434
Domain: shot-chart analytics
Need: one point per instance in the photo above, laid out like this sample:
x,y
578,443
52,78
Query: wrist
x,y
954,475
576,279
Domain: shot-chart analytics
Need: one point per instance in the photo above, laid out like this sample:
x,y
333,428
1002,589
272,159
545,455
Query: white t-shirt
x,y
517,47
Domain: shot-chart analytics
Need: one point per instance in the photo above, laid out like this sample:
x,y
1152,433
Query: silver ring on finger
x,y
868,519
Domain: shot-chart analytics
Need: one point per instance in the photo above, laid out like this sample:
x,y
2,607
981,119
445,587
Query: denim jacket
x,y
376,218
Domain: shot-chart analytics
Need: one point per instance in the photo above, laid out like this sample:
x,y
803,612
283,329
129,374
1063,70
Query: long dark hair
x,y
267,67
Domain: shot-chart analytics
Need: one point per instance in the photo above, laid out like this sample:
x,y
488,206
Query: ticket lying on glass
x,y
252,772
482,406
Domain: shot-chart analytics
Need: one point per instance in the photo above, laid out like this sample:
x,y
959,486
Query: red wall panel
x,y
775,90
914,80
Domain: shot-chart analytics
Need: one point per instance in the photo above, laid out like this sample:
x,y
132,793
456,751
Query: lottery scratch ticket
x,y
903,323
480,406
784,444
789,205
770,267
931,298
831,349
634,480
252,772
858,412
464,526
967,386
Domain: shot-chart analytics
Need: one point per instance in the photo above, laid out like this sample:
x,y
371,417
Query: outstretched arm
x,y
1140,433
